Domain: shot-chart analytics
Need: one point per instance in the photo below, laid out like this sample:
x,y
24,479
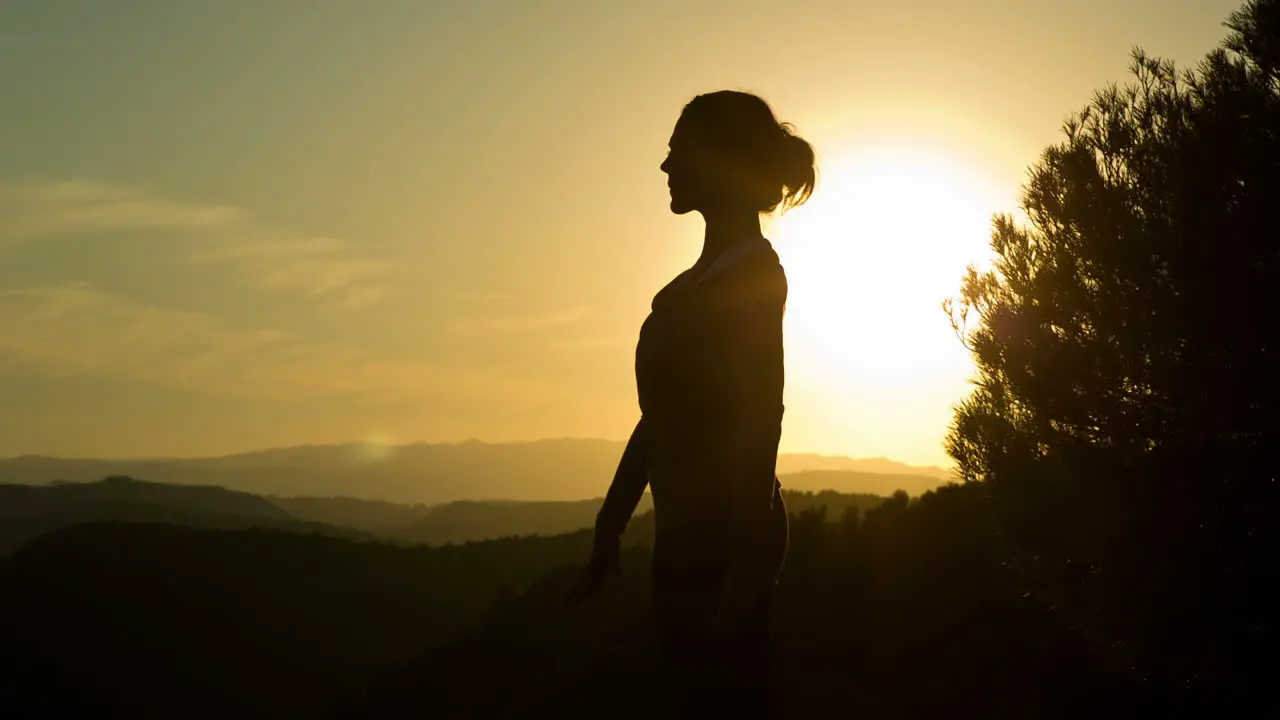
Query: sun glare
x,y
885,239
375,448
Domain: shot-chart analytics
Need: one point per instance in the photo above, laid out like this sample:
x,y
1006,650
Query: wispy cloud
x,y
75,328
307,265
523,323
33,210
358,298
268,259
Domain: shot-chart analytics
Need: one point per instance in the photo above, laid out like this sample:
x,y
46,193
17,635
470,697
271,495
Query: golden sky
x,y
246,223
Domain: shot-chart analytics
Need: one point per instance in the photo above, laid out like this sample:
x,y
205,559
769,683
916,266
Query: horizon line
x,y
417,443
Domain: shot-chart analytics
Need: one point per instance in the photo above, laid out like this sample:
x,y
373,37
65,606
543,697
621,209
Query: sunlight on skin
x,y
885,239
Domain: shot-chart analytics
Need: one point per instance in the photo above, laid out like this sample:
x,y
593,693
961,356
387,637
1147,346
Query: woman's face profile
x,y
690,171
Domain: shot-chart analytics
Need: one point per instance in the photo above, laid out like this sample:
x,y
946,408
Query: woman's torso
x,y
686,394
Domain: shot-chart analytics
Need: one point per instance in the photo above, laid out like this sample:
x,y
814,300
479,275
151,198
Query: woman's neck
x,y
724,230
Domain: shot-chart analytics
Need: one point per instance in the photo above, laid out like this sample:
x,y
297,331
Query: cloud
x,y
34,210
474,326
75,328
267,259
358,298
308,265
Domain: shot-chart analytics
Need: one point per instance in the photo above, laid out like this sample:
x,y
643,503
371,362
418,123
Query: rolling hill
x,y
28,512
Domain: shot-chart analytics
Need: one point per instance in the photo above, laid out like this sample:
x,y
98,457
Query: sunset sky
x,y
234,224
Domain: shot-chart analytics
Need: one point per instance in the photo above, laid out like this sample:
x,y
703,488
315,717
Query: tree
x,y
1124,418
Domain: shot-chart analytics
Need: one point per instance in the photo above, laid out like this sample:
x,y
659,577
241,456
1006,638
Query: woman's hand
x,y
603,563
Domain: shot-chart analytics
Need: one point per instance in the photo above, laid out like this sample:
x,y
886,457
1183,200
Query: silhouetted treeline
x,y
469,521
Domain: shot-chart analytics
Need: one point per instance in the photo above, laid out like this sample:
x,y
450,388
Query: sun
x,y
886,237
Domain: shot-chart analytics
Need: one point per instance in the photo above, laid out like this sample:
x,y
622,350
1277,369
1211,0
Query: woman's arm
x,y
755,359
629,482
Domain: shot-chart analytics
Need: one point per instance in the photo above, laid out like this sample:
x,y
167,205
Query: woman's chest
x,y
680,352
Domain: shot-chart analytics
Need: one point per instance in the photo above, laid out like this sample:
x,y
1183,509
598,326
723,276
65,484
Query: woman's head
x,y
729,153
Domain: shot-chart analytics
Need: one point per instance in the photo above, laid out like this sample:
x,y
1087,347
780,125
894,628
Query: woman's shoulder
x,y
757,277
749,273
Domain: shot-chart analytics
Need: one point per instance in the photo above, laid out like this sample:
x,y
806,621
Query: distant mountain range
x,y
433,474
28,512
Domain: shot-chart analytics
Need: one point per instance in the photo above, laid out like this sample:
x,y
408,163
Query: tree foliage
x,y
1124,416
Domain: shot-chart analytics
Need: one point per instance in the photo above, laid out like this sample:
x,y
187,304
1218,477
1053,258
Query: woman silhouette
x,y
709,376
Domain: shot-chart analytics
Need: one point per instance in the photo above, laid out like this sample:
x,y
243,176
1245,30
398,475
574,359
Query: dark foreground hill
x,y
905,610
138,620
904,613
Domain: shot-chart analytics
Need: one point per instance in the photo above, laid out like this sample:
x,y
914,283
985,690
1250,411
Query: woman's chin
x,y
680,208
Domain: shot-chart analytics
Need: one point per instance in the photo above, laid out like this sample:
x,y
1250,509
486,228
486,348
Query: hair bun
x,y
796,167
